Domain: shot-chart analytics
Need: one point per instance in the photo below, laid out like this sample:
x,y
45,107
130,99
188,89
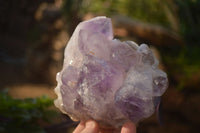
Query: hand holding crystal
x,y
91,126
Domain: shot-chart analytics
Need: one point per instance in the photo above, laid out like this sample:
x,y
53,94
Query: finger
x,y
91,127
80,127
128,127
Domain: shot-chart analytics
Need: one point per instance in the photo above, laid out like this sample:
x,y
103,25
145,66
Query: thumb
x,y
91,127
128,127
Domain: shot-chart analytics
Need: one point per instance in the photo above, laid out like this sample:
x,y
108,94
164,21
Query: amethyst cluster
x,y
107,80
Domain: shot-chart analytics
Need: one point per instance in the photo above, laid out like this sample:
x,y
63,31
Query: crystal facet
x,y
108,80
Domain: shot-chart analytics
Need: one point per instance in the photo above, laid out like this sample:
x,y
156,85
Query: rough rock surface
x,y
108,80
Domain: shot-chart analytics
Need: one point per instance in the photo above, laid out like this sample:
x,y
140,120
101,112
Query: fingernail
x,y
90,124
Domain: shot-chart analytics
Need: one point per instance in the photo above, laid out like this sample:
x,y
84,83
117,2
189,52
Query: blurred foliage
x,y
181,16
182,66
151,11
71,10
183,62
22,116
189,17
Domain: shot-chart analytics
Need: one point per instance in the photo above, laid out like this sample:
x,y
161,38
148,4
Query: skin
x,y
91,126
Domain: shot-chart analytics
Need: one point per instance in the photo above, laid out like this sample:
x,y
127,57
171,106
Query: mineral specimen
x,y
107,80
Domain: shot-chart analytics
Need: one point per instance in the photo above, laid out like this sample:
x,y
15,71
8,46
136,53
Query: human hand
x,y
91,126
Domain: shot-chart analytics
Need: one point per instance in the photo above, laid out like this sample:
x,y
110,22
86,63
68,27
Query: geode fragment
x,y
107,80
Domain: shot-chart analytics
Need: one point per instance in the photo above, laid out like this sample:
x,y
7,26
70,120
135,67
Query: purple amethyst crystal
x,y
108,80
